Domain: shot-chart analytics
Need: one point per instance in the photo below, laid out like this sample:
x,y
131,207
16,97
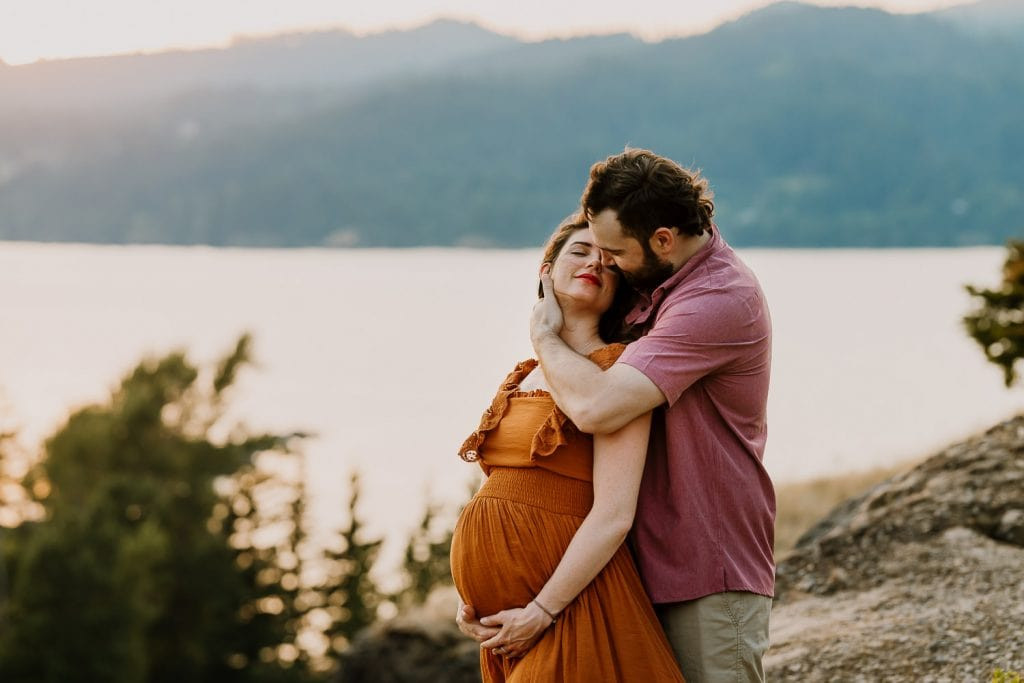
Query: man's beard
x,y
651,274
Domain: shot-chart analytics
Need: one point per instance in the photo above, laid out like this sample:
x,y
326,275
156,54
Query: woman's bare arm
x,y
618,466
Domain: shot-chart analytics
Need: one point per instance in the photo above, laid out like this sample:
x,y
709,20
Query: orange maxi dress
x,y
512,535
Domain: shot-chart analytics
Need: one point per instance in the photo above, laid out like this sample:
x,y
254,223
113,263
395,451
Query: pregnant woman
x,y
540,546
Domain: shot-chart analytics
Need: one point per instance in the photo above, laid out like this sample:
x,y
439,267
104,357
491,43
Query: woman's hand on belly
x,y
521,628
467,622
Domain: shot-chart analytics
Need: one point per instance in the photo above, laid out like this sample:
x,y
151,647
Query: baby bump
x,y
504,550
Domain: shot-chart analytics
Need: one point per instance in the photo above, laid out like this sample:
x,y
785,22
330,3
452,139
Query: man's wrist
x,y
542,338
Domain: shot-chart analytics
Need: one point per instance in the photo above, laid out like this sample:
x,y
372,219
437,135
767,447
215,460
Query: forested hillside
x,y
816,127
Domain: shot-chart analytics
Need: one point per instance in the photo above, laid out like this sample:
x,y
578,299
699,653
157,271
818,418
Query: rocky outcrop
x,y
977,485
947,609
919,579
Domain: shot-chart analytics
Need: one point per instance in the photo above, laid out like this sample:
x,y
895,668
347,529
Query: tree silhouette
x,y
145,548
144,565
426,564
350,596
998,322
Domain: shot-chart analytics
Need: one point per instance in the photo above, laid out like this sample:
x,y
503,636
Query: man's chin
x,y
648,278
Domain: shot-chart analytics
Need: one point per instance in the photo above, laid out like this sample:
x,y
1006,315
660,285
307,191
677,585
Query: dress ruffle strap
x,y
557,429
492,416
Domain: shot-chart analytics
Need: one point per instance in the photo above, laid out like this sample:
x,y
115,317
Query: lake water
x,y
391,355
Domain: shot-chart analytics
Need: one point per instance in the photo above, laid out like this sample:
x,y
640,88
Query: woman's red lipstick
x,y
590,278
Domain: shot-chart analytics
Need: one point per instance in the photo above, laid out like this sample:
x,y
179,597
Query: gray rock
x,y
1011,527
977,484
919,579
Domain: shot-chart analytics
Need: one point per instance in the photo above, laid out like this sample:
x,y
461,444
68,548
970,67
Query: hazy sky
x,y
40,29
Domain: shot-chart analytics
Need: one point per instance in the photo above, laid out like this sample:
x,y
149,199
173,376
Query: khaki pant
x,y
719,637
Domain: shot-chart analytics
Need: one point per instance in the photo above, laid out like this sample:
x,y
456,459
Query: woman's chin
x,y
582,305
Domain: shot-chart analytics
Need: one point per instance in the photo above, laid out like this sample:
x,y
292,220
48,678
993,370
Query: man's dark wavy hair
x,y
647,192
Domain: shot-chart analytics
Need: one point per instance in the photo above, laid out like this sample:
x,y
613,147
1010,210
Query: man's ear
x,y
663,240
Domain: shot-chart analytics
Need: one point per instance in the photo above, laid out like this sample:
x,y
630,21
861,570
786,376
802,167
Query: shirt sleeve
x,y
692,339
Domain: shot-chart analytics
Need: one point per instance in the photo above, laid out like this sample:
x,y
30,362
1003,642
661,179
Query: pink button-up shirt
x,y
706,515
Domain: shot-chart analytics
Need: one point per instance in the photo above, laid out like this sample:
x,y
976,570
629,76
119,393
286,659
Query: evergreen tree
x,y
349,593
998,322
146,550
427,561
272,615
135,572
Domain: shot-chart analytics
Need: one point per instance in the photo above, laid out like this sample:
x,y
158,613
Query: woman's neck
x,y
580,333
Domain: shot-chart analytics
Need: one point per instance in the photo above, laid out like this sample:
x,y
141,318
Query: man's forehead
x,y
609,234
607,219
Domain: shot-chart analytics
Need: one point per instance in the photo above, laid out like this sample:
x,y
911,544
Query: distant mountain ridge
x,y
338,58
816,127
999,17
323,59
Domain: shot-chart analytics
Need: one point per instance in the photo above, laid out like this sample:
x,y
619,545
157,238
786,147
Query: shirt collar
x,y
648,303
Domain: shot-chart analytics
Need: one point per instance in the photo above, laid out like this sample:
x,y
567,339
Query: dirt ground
x,y
951,609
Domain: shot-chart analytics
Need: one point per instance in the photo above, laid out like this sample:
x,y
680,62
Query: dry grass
x,y
802,504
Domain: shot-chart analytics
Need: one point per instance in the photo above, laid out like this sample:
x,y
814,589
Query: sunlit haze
x,y
53,29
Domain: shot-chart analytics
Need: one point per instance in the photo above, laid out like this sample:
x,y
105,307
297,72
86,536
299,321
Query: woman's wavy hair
x,y
612,326
647,192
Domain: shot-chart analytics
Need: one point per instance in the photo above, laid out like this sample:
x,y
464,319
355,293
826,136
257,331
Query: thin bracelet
x,y
553,617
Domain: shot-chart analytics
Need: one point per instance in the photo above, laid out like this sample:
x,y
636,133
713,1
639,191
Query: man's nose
x,y
606,260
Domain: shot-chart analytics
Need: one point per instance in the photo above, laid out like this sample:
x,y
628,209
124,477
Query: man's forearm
x,y
597,401
574,380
